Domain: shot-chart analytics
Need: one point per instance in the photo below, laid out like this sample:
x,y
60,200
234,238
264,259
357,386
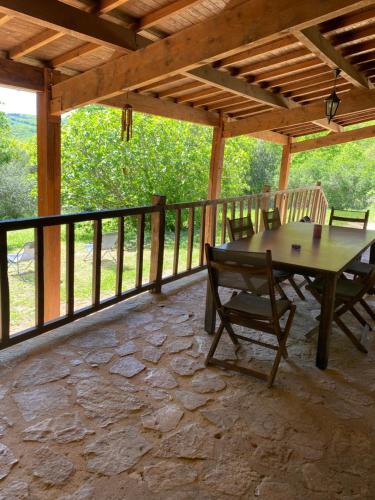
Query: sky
x,y
17,101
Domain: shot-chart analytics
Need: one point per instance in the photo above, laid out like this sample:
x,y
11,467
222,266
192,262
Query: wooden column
x,y
157,243
214,180
49,195
284,174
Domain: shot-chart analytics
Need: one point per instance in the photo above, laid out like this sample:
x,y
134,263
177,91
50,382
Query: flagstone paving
x,y
120,406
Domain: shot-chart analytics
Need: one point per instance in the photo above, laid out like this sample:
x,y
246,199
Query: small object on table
x,y
296,246
317,231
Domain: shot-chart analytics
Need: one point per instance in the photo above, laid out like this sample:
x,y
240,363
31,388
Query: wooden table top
x,y
336,248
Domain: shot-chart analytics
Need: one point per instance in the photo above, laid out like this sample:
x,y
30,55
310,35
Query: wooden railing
x,y
180,229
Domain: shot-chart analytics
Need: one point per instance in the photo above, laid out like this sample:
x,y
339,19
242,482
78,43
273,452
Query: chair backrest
x,y
240,228
247,271
27,252
353,218
271,218
109,241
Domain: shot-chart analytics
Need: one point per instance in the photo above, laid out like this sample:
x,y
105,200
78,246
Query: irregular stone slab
x,y
151,353
98,358
166,476
39,432
95,339
116,452
127,348
42,401
164,420
85,492
207,382
18,490
5,423
127,367
186,366
192,441
153,327
225,350
178,319
231,478
276,490
182,330
3,391
159,395
75,362
161,378
42,371
68,428
222,417
105,402
52,468
157,339
191,400
7,460
179,345
172,311
80,375
139,318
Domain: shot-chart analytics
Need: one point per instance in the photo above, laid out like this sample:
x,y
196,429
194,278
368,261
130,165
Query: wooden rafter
x,y
61,17
356,100
324,50
4,18
184,50
34,43
164,13
332,139
272,137
72,54
108,5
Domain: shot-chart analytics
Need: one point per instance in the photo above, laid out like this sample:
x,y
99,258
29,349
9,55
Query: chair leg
x,y
214,344
282,345
281,291
296,289
350,335
231,333
367,308
360,319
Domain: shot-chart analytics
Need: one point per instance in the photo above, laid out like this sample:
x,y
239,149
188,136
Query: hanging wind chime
x,y
127,122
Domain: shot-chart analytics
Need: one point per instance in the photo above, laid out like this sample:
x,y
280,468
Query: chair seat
x,y
346,289
255,305
359,268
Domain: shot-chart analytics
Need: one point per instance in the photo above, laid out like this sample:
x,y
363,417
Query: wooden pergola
x,y
245,67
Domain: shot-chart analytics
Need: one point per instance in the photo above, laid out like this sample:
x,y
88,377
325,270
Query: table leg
x,y
372,254
326,317
210,314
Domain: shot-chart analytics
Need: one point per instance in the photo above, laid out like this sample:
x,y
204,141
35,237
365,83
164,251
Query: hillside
x,y
23,126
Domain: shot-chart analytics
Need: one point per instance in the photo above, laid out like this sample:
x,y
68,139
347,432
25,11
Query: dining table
x,y
297,247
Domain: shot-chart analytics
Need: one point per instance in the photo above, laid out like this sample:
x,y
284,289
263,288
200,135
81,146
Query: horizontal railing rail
x,y
172,236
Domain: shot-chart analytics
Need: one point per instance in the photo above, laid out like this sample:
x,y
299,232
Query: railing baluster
x,y
4,289
39,276
202,234
177,236
70,269
96,262
241,209
140,249
223,222
213,227
296,202
120,255
190,239
257,206
233,210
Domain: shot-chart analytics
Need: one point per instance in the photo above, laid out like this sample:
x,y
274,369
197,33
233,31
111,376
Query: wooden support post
x,y
157,243
315,207
49,195
284,174
214,180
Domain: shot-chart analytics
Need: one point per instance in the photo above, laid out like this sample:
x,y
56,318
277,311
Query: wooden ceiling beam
x,y
22,76
69,20
333,139
168,109
331,126
239,87
4,18
355,100
220,36
72,54
164,13
108,5
324,50
34,43
272,137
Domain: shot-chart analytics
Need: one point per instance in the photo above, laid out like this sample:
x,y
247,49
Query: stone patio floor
x,y
120,406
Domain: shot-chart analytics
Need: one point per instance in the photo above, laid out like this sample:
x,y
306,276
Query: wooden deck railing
x,y
186,225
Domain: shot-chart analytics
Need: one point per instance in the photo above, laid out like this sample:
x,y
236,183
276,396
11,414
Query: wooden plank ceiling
x,y
246,86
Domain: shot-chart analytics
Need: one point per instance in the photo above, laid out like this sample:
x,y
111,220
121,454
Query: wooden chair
x,y
354,218
252,274
109,245
271,218
240,228
23,259
349,293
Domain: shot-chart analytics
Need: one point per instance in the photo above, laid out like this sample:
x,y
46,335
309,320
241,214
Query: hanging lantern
x,y
332,101
127,122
